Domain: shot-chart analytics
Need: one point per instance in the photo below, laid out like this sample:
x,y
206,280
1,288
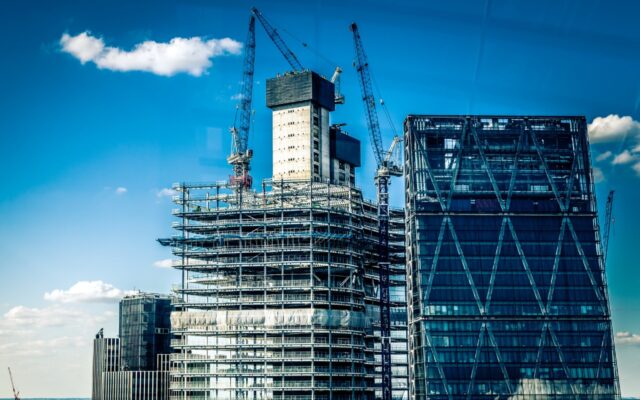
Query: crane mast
x,y
240,155
385,169
278,41
607,224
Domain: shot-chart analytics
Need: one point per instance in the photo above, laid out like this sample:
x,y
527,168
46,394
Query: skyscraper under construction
x,y
279,296
507,286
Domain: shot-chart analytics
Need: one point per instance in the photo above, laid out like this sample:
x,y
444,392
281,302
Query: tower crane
x,y
607,223
278,41
290,55
240,155
386,168
16,394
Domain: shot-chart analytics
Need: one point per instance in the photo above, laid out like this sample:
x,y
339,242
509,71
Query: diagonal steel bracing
x,y
558,160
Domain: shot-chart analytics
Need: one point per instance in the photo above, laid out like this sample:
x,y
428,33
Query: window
x,y
450,144
539,188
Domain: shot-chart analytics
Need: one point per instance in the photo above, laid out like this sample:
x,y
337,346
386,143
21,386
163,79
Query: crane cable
x,y
306,45
332,64
383,104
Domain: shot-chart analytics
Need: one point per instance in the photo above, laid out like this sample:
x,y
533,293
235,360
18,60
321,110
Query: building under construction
x,y
280,288
296,290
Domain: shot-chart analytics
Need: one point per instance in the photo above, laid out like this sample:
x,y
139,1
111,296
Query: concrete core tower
x,y
304,143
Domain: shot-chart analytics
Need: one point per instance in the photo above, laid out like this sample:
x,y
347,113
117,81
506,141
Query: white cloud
x,y
41,332
42,347
623,158
121,190
166,192
84,47
598,175
612,127
166,263
25,317
21,322
87,292
545,389
237,96
627,338
180,55
33,339
604,156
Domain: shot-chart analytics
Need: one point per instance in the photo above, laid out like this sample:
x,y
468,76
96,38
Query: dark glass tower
x,y
145,323
506,280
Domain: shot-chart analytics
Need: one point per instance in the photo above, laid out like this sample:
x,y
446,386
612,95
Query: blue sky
x,y
86,151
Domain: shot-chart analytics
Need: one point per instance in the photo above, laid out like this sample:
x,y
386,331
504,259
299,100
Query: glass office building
x,y
145,324
506,280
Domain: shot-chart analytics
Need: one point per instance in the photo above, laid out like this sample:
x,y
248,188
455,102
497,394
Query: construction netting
x,y
268,319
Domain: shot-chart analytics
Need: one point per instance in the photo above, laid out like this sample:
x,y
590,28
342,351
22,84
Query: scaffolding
x,y
279,296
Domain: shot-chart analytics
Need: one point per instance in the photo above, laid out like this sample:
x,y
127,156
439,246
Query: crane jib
x,y
278,41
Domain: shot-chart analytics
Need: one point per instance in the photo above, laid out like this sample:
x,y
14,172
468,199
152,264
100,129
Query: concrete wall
x,y
301,142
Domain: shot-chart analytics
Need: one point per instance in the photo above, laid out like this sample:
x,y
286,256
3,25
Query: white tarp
x,y
268,319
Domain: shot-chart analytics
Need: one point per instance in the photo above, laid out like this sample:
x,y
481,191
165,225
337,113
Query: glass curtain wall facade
x,y
506,280
144,330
